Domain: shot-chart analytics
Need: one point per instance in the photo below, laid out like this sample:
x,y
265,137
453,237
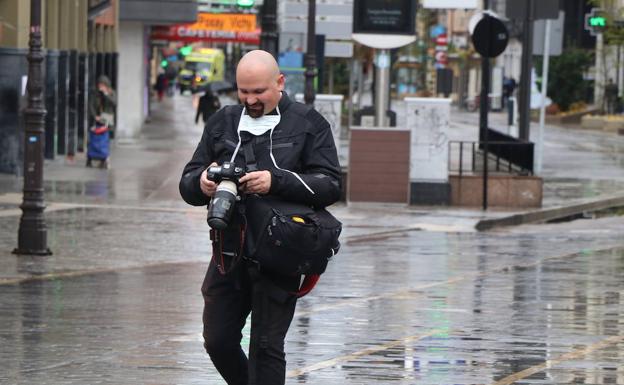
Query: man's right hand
x,y
207,186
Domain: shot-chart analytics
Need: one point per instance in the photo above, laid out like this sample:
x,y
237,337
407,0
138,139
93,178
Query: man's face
x,y
258,92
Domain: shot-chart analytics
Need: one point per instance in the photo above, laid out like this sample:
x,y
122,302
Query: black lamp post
x,y
32,235
310,57
268,36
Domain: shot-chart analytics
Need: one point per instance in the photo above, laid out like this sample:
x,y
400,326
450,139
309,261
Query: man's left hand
x,y
256,182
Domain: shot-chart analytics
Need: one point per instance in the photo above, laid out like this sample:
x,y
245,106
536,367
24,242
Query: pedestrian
x,y
207,105
161,85
171,74
102,107
296,160
509,86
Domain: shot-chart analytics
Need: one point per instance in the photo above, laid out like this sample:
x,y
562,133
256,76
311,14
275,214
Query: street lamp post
x,y
32,234
310,57
268,36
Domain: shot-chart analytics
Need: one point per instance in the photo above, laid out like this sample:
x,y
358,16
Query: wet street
x,y
412,308
415,296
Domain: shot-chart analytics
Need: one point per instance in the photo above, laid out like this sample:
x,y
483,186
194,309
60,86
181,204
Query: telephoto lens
x,y
222,205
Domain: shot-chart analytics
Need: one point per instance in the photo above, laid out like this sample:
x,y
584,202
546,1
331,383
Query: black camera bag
x,y
285,246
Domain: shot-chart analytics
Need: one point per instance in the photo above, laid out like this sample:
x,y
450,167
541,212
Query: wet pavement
x,y
415,296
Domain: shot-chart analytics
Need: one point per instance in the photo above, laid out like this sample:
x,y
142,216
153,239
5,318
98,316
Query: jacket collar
x,y
283,104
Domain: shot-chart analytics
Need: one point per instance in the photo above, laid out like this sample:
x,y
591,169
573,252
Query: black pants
x,y
228,300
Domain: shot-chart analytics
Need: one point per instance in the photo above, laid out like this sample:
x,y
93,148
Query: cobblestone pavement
x,y
415,295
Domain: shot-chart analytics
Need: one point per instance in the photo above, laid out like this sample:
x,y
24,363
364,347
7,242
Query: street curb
x,y
543,215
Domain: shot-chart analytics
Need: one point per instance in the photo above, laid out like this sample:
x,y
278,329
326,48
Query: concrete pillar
x,y
15,13
131,86
64,24
74,23
428,120
99,38
115,47
82,25
52,28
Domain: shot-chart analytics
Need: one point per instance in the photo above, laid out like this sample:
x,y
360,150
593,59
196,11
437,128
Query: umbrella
x,y
221,86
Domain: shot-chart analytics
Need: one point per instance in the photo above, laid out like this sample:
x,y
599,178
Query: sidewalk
x,y
415,296
106,214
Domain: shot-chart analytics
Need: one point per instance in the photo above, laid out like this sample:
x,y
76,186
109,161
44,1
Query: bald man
x,y
288,151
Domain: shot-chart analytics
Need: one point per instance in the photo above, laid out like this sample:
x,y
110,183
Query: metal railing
x,y
509,157
513,150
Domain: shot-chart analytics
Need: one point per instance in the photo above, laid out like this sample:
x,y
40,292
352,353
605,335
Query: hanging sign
x,y
384,23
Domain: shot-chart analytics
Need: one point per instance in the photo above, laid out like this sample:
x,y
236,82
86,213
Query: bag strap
x,y
216,236
250,156
307,285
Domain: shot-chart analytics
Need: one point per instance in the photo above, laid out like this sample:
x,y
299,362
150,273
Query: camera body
x,y
222,203
227,171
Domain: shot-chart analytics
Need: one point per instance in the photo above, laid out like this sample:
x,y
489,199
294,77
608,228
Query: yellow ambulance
x,y
201,66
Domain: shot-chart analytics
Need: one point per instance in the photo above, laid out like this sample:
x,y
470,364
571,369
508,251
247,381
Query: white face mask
x,y
258,126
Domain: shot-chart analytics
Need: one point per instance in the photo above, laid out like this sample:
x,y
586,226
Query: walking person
x,y
207,105
161,85
102,107
296,161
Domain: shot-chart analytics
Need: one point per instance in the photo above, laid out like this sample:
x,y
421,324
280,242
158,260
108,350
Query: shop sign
x,y
236,22
186,34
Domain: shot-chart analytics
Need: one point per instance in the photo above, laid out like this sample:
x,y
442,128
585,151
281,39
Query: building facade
x,y
80,43
136,18
82,39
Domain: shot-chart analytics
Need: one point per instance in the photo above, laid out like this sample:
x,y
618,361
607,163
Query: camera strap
x,y
250,156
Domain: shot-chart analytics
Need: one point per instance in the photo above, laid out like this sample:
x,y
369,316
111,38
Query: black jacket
x,y
302,143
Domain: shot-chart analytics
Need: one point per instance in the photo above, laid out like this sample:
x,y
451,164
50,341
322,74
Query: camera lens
x,y
222,205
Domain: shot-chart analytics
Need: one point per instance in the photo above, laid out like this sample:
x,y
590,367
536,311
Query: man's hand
x,y
256,182
207,186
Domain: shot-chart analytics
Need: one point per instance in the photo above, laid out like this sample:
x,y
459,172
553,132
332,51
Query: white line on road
x,y
578,353
364,352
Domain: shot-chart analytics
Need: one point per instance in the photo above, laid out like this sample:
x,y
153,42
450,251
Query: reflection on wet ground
x,y
417,308
559,190
119,301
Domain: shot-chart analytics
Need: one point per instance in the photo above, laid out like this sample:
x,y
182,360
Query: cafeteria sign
x,y
239,28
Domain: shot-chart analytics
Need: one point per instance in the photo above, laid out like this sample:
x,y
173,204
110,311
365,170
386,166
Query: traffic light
x,y
595,21
245,3
187,49
164,63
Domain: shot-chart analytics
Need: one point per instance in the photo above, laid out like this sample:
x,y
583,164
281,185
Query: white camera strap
x,y
245,124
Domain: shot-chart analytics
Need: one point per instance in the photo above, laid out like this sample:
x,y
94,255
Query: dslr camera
x,y
222,203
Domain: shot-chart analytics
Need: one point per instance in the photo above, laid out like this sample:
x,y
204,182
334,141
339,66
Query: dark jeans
x,y
228,300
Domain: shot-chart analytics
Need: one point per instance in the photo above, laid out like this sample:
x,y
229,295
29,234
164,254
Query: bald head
x,y
258,62
259,82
